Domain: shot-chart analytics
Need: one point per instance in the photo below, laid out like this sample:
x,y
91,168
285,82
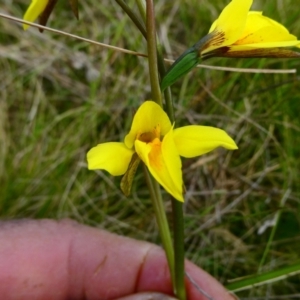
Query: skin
x,y
47,259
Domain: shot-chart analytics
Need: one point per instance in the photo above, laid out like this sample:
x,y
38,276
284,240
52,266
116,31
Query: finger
x,y
199,284
62,260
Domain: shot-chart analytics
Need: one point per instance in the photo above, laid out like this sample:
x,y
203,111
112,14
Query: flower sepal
x,y
127,179
252,53
43,18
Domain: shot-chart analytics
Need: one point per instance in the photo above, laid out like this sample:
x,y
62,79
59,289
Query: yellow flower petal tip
x,y
239,32
34,10
154,140
197,140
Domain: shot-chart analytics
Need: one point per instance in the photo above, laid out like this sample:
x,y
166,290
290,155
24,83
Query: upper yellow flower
x,y
159,146
239,30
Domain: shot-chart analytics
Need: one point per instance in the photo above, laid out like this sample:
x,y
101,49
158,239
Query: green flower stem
x,y
178,228
152,53
176,205
156,60
178,285
161,221
161,66
167,91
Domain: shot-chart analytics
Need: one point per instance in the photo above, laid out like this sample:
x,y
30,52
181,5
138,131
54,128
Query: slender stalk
x,y
178,228
160,59
152,53
156,64
167,91
177,207
161,221
161,65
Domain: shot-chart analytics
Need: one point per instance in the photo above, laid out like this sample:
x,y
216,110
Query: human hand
x,y
59,260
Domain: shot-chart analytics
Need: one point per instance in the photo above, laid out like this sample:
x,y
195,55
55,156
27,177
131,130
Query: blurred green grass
x,y
59,97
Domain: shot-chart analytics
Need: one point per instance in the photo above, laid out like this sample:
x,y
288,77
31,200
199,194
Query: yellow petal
x,y
112,157
196,140
267,37
256,21
261,30
148,116
163,162
34,10
230,24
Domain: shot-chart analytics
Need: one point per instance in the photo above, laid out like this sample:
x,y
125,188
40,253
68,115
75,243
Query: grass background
x,y
59,97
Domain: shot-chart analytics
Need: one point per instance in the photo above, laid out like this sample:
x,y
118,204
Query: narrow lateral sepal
x,y
46,13
252,53
127,179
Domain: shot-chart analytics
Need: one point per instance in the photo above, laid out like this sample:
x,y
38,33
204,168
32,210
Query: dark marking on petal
x,y
217,38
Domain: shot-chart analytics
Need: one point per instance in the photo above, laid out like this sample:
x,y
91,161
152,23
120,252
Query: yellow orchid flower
x,y
239,30
155,141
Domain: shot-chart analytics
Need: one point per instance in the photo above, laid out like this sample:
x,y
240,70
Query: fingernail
x,y
148,296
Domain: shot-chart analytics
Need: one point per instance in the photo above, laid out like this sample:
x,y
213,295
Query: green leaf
x,y
261,279
186,62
